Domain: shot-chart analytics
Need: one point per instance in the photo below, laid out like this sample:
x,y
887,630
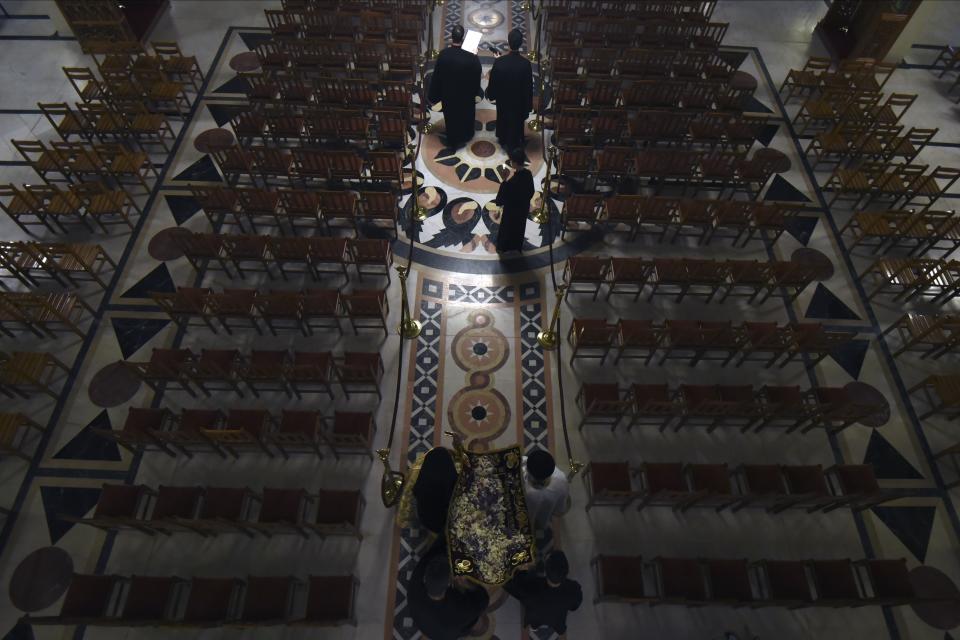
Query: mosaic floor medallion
x,y
478,166
485,18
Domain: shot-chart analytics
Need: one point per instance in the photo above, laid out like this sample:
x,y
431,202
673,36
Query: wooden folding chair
x,y
608,484
350,433
590,338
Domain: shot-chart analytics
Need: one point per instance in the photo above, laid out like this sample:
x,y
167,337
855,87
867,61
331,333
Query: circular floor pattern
x,y
863,393
113,386
821,264
40,579
485,18
164,246
478,166
930,583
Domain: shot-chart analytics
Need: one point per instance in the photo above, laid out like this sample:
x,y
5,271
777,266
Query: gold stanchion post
x,y
409,328
541,216
548,337
391,485
575,468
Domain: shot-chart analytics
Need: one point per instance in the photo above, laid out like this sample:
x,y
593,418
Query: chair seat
x,y
88,596
664,477
729,580
330,599
302,422
176,502
621,576
209,599
806,479
710,477
266,598
835,580
788,581
357,424
281,505
223,502
764,479
148,597
682,578
338,507
610,476
600,393
118,501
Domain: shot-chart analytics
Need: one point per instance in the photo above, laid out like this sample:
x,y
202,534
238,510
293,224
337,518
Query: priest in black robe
x,y
511,87
514,199
456,83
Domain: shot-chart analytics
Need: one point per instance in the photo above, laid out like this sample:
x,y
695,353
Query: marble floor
x,y
465,296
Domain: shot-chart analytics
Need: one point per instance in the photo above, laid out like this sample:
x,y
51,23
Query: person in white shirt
x,y
546,488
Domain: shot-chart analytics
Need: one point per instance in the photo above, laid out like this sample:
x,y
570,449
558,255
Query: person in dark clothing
x,y
434,488
511,87
546,600
456,83
441,610
514,199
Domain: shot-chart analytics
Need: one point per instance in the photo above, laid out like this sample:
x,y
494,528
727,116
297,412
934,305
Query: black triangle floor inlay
x,y
824,305
767,134
801,227
254,40
850,356
888,463
235,84
781,190
87,445
133,333
20,631
182,207
223,113
70,501
755,106
203,170
911,525
157,281
733,58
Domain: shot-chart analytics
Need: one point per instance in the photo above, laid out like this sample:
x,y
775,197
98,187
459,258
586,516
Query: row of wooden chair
x,y
75,162
920,232
353,5
691,95
15,431
250,207
890,184
572,60
52,207
818,75
173,602
696,10
850,141
207,511
682,277
734,406
695,582
315,255
24,372
308,90
225,369
382,128
42,313
704,340
774,488
342,56
396,25
941,395
660,215
626,33
865,107
216,431
302,166
131,55
646,128
64,263
932,335
309,311
934,281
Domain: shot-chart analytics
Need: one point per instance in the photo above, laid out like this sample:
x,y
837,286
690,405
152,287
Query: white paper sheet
x,y
471,41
